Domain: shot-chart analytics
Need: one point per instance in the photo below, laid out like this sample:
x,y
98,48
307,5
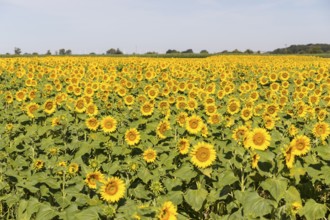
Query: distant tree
x,y
204,51
248,51
118,51
68,52
92,53
111,51
236,51
17,51
315,49
48,53
61,52
35,54
224,51
151,52
188,51
172,51
258,52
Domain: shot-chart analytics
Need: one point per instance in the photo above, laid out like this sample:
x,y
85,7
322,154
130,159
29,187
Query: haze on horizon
x,y
139,26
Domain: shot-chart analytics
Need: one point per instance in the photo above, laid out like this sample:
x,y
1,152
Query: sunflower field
x,y
223,137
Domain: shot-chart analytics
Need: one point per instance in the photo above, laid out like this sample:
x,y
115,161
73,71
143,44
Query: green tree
x,y
17,51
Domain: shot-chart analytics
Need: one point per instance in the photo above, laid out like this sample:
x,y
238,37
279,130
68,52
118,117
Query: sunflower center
x,y
131,136
80,104
111,188
233,107
146,108
49,105
300,145
258,139
150,155
320,129
108,124
203,154
193,123
165,214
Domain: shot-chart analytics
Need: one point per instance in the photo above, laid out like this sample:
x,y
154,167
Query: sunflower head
x,y
132,136
92,123
194,124
203,155
168,211
183,146
321,130
150,155
113,189
259,139
108,124
300,145
92,179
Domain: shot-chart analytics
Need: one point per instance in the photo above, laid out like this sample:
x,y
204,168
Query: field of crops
x,y
228,137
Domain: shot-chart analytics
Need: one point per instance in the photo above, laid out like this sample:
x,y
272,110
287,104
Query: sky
x,y
139,26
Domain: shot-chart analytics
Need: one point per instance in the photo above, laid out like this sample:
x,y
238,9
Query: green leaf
x,y
196,198
292,195
276,187
46,212
255,206
175,196
87,214
139,192
144,175
226,178
186,172
313,210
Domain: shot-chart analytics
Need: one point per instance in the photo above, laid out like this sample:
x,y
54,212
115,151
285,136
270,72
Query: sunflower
x,y
49,106
272,109
92,123
233,107
56,121
20,96
91,109
300,145
194,124
255,160
149,155
91,179
80,105
210,109
214,119
113,189
289,157
240,133
183,146
203,155
147,109
108,124
205,130
129,100
246,113
73,168
191,104
132,136
162,127
258,139
295,206
181,118
168,211
38,164
321,130
31,108
269,122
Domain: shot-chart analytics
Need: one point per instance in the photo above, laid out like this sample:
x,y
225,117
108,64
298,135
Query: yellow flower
x,y
194,124
289,157
255,160
214,119
258,139
147,109
168,211
108,124
149,155
240,133
183,146
49,106
300,145
181,118
129,99
113,189
92,123
203,155
38,164
73,168
246,113
162,127
31,108
132,136
91,179
295,206
321,130
80,105
91,109
233,107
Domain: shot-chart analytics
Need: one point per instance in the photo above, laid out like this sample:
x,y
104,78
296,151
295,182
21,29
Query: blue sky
x,y
86,26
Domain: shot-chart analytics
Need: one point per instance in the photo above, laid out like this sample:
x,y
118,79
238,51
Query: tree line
x,y
293,49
